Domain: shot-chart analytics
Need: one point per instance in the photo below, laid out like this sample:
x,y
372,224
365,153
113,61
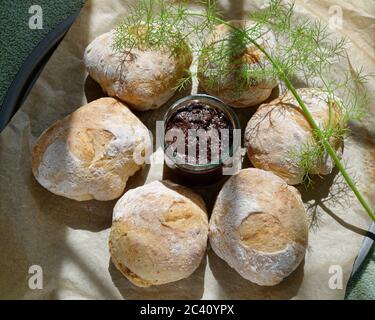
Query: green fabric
x,y
362,286
17,41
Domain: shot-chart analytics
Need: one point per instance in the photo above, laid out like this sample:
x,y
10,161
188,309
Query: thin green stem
x,y
211,18
312,122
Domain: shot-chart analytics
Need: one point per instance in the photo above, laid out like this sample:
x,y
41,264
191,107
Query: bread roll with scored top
x,y
278,131
144,79
91,153
159,233
259,227
230,86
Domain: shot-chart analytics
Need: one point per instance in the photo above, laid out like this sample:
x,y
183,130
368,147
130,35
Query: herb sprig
x,y
305,50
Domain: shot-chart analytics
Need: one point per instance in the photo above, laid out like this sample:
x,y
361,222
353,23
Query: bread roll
x,y
258,226
91,153
159,233
219,73
144,79
279,130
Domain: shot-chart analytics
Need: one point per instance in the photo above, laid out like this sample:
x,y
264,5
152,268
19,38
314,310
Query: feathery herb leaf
x,y
305,50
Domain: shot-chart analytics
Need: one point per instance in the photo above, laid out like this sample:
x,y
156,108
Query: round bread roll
x,y
279,130
221,63
144,79
259,227
159,233
91,153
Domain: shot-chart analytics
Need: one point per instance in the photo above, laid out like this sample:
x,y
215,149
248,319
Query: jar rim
x,y
213,102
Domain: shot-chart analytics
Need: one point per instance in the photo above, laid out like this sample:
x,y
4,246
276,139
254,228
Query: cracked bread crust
x,y
91,153
279,129
159,233
259,226
144,79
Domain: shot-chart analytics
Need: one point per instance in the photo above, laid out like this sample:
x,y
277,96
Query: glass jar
x,y
198,173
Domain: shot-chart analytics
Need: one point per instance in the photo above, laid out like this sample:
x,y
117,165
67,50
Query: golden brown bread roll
x,y
159,233
219,73
144,79
91,153
279,130
259,227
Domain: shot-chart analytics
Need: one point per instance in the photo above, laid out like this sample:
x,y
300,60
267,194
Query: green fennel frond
x,y
305,55
152,24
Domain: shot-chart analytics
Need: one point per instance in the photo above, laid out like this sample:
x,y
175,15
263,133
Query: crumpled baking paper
x,y
67,240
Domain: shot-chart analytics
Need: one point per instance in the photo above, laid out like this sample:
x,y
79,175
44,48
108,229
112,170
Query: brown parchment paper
x,y
68,239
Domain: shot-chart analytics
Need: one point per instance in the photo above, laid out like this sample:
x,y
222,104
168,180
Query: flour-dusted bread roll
x,y
259,227
159,233
144,79
91,153
279,131
225,60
